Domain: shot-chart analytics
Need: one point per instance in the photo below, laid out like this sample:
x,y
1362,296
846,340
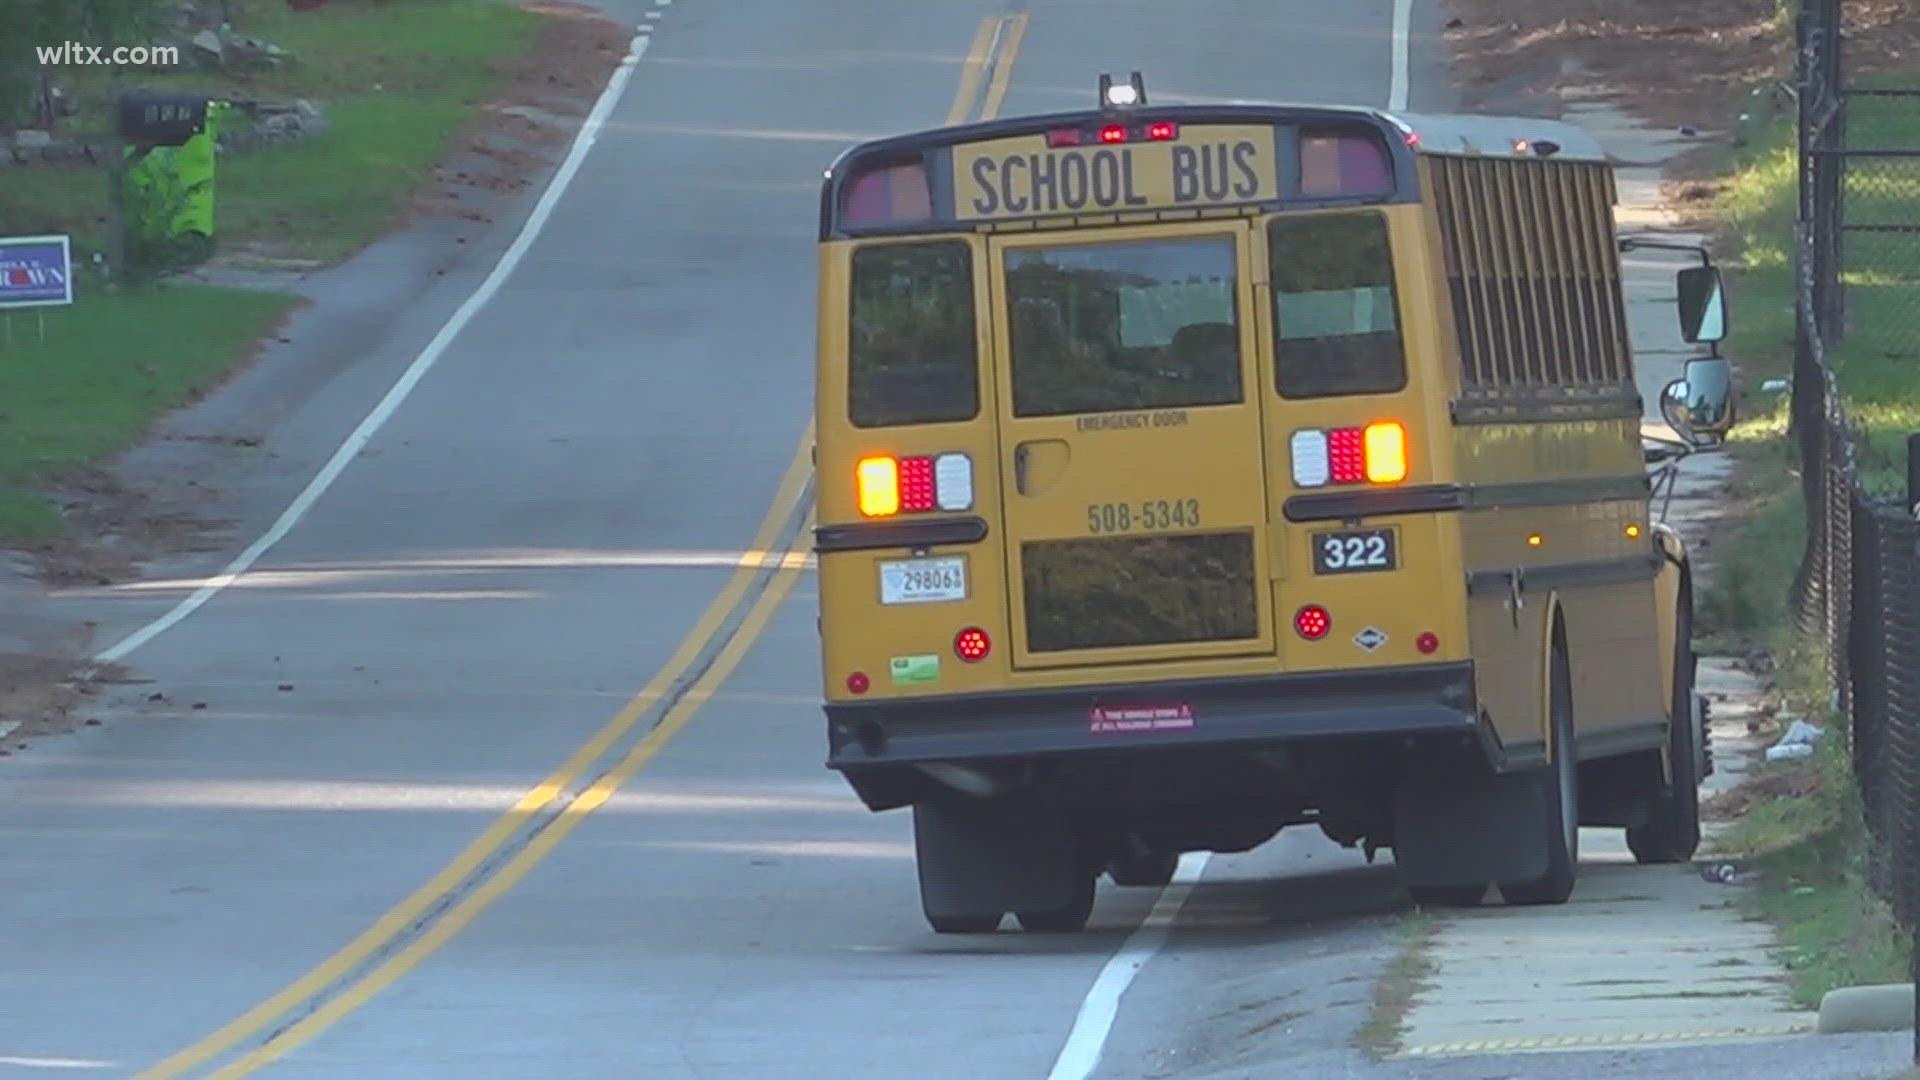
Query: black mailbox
x,y
156,119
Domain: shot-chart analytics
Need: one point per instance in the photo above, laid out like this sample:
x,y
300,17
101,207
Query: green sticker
x,y
916,669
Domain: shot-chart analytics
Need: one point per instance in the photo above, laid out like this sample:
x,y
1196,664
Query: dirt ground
x,y
1676,63
117,527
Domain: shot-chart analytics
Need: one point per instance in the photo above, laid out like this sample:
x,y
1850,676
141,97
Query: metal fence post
x,y
1913,474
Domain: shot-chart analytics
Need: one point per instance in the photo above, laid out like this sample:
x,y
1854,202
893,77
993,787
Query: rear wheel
x,y
1672,831
1142,869
1447,895
964,924
1068,918
1561,805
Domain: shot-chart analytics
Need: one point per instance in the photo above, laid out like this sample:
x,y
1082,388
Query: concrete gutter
x,y
1886,1007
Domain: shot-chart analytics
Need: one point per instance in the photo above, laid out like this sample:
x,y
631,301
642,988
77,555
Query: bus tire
x,y
978,859
964,924
1142,869
1068,918
1672,830
1432,896
1560,782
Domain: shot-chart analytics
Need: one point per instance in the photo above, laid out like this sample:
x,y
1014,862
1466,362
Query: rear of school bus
x,y
1133,466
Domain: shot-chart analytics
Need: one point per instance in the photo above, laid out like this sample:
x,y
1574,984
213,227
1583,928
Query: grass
x,y
1810,851
1406,975
101,376
1877,361
397,82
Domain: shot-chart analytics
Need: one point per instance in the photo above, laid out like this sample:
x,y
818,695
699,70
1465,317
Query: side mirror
x,y
1699,404
1703,305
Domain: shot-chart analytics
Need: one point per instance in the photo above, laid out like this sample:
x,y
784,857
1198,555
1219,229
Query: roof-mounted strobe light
x,y
1129,95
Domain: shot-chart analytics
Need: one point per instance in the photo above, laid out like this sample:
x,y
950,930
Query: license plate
x,y
1354,552
922,581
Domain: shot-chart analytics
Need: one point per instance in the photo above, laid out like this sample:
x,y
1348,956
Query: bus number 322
x,y
1146,514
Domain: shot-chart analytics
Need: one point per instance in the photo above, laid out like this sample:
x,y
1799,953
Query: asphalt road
x,y
511,558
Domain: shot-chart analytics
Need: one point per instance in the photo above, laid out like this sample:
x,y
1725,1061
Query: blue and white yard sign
x,y
35,271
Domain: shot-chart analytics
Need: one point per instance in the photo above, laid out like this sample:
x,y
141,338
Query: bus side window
x,y
911,354
1336,323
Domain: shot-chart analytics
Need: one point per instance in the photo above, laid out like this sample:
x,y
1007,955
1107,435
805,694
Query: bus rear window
x,y
1335,315
911,355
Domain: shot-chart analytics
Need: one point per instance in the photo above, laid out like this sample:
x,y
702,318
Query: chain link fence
x,y
1857,593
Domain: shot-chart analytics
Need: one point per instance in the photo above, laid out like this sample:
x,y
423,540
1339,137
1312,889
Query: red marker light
x,y
1113,134
1063,137
858,682
972,644
1162,130
1428,643
1347,449
1312,622
916,484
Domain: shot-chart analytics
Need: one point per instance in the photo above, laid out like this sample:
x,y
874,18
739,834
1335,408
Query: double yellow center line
x,y
525,834
989,61
515,843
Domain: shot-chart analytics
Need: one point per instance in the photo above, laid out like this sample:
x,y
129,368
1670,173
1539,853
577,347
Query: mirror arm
x,y
1631,243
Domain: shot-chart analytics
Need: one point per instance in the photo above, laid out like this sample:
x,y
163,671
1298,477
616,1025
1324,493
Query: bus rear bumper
x,y
868,741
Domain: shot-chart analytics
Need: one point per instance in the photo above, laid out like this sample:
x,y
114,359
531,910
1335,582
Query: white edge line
x,y
1102,1004
1397,84
556,187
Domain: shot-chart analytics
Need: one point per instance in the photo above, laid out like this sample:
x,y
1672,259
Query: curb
x,y
1867,1008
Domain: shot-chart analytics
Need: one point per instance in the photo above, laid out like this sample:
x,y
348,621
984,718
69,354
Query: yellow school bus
x,y
1187,473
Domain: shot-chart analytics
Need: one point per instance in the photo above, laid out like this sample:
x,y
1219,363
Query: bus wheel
x,y
964,924
979,859
1672,831
1142,869
1447,895
1561,785
1069,918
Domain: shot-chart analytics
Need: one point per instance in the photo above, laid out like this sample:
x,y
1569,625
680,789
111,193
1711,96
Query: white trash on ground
x,y
1796,743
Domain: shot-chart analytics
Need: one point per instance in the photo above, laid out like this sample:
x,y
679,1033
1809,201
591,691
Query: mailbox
x,y
155,119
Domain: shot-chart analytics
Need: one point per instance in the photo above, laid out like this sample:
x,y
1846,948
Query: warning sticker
x,y
1116,718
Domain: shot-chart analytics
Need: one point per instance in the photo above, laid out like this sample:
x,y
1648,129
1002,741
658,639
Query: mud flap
x,y
1471,832
979,859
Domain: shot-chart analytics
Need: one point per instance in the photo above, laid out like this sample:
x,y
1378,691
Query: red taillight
x,y
1113,134
858,682
1428,643
1312,622
1161,130
916,484
1063,137
972,644
1347,454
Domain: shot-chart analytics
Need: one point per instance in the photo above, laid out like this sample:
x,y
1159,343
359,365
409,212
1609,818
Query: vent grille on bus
x,y
1529,251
